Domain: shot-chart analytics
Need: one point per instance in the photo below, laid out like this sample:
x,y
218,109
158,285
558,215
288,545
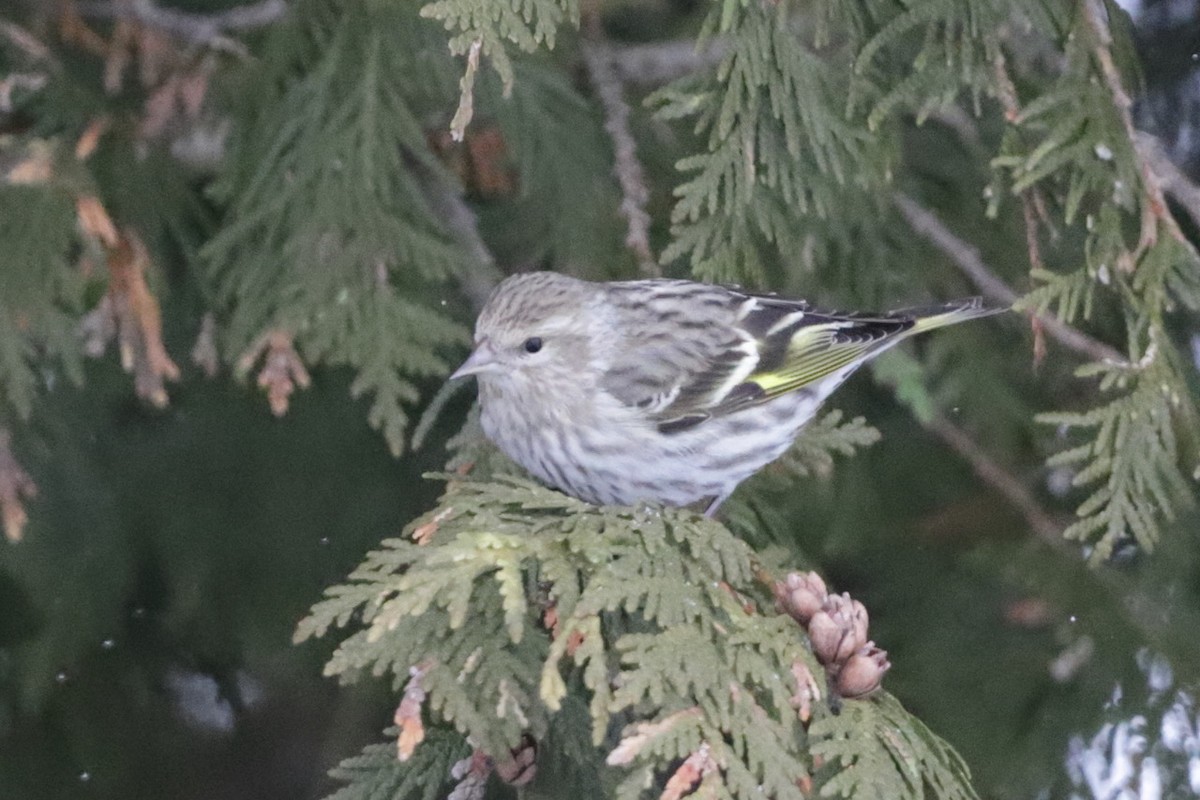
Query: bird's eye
x,y
533,344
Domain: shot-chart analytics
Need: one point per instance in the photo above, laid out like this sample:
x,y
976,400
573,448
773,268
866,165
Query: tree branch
x,y
598,57
1172,178
206,29
1096,16
967,258
657,63
997,477
446,201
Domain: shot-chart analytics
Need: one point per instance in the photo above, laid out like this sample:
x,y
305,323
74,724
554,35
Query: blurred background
x,y
146,614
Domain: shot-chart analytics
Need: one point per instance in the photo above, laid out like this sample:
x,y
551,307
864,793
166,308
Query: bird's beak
x,y
482,359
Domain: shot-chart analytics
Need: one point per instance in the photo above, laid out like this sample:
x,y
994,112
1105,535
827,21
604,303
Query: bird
x,y
664,391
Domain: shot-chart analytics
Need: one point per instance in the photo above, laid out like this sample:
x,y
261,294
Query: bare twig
x,y
599,59
967,258
1033,203
997,477
1172,178
1029,215
466,98
37,52
1006,90
188,24
206,29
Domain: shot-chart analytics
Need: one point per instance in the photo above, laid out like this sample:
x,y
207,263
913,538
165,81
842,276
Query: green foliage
x,y
891,754
1132,257
904,374
1072,142
628,640
1073,132
920,57
335,228
801,125
517,599
779,147
813,452
1133,454
562,212
40,292
377,773
525,23
328,234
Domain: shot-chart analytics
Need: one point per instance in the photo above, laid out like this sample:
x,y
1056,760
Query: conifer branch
x,y
967,258
780,150
484,30
598,57
1031,199
1173,180
1096,15
697,658
330,243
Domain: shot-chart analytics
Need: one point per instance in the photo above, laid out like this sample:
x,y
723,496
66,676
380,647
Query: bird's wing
x,y
764,347
681,347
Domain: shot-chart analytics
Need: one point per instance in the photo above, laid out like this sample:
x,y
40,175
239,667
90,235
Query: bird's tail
x,y
928,318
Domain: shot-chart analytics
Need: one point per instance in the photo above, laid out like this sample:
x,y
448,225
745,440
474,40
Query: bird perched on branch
x,y
668,391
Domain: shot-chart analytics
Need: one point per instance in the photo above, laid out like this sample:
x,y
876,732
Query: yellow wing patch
x,y
813,354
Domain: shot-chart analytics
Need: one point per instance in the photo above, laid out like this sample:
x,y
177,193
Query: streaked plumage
x,y
663,390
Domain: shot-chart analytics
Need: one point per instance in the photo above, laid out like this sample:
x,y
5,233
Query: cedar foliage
x,y
326,211
318,235
511,599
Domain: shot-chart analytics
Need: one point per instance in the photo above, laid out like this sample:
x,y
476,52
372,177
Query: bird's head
x,y
535,325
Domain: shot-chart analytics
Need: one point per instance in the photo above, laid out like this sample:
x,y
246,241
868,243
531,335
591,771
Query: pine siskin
x,y
663,390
